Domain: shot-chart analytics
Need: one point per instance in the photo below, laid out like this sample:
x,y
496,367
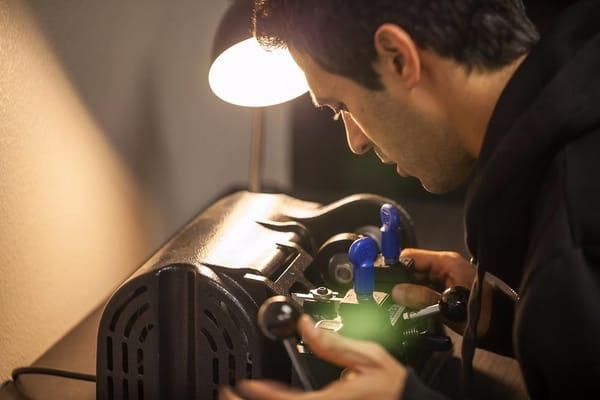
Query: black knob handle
x,y
453,304
277,317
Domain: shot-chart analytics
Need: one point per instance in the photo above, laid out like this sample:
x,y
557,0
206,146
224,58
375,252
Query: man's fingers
x,y
428,264
414,296
227,394
339,350
348,374
444,268
418,297
347,389
260,390
251,390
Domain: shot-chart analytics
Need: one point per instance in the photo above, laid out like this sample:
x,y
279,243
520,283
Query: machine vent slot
x,y
139,291
110,393
125,355
211,341
109,353
231,369
144,333
215,371
125,389
140,390
228,341
140,361
133,319
211,317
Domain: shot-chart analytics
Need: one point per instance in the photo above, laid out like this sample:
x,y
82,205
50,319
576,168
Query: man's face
x,y
408,128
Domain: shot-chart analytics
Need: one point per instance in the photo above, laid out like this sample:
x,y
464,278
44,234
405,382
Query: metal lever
x,y
452,306
277,318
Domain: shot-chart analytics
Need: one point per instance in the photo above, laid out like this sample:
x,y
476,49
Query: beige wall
x,y
105,110
71,218
141,67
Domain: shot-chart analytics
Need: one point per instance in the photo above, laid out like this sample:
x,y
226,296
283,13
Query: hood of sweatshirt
x,y
552,99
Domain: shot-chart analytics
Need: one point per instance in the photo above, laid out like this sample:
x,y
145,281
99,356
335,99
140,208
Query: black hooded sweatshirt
x,y
533,212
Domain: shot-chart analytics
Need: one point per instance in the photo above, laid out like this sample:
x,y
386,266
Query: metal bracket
x,y
295,272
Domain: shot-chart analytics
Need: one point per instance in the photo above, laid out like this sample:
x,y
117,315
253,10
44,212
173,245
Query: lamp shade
x,y
235,26
245,74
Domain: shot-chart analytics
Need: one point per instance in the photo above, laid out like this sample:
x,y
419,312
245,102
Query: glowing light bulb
x,y
248,75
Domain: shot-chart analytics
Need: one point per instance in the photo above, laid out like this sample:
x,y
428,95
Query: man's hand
x,y
444,269
371,373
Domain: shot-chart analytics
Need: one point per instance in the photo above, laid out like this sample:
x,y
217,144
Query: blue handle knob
x,y
390,233
362,254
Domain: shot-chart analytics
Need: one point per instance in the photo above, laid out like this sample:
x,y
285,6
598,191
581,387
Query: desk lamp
x,y
244,74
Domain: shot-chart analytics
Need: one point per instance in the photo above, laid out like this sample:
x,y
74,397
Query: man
x,y
445,89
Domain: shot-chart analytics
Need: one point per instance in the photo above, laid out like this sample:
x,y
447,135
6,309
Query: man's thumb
x,y
414,296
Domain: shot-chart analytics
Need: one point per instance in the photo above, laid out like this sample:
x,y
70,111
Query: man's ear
x,y
397,55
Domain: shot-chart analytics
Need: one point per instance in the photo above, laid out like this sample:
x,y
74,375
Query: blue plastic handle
x,y
390,233
362,254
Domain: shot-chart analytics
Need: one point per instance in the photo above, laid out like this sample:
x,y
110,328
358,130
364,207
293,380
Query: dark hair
x,y
338,34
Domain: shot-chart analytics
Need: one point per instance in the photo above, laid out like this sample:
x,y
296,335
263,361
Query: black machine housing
x,y
185,323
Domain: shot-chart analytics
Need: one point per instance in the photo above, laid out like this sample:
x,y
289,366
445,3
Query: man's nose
x,y
357,141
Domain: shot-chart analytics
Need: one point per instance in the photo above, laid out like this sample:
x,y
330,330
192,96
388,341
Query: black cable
x,y
52,372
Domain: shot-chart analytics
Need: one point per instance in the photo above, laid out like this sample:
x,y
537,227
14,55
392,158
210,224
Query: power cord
x,y
52,372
